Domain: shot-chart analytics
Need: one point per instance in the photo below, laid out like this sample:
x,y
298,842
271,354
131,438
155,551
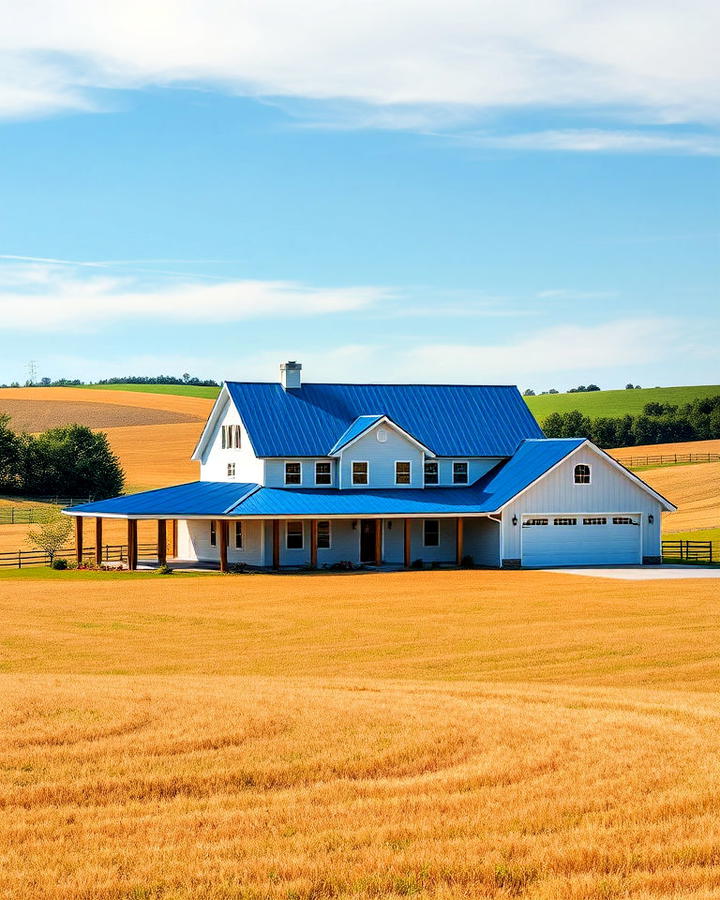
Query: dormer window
x,y
582,474
460,473
360,473
323,473
293,473
402,472
431,472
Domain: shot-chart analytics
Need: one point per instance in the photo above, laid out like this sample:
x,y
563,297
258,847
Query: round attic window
x,y
381,435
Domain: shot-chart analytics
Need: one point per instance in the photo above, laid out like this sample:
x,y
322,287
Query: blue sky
x,y
474,192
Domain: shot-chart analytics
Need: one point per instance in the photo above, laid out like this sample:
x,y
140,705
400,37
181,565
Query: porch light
x,y
389,524
514,520
651,518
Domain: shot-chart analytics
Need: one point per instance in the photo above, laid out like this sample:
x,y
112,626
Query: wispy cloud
x,y
589,140
412,64
46,296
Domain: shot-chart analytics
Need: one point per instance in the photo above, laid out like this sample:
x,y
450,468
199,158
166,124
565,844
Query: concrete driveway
x,y
644,573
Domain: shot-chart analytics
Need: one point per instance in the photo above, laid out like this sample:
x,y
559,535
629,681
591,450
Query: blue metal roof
x,y
362,423
215,498
492,491
198,498
451,420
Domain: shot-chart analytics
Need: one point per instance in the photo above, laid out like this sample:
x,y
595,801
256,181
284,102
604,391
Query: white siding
x,y
194,542
275,472
481,540
477,467
214,459
382,457
610,491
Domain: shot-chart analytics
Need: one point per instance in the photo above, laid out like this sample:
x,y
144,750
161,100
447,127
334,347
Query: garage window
x,y
595,520
623,520
564,521
529,522
582,474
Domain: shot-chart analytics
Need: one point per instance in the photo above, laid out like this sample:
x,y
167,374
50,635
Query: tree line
x,y
659,423
71,461
124,379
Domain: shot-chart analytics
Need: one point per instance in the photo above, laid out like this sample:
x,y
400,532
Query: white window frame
x,y
329,525
302,533
236,437
223,437
461,462
582,483
425,543
595,520
432,462
536,522
239,533
565,521
292,462
231,470
323,462
403,462
360,462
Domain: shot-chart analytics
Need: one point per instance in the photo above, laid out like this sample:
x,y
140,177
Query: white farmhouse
x,y
295,474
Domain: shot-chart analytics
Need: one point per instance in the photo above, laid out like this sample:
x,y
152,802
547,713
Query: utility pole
x,y
32,368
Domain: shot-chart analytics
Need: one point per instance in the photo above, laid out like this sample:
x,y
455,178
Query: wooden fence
x,y
667,459
689,551
21,559
24,515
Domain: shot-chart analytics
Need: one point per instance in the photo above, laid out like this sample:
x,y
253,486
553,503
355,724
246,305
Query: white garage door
x,y
576,540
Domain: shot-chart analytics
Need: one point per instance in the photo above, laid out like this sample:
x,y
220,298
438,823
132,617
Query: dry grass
x,y
694,489
156,456
446,735
712,446
39,415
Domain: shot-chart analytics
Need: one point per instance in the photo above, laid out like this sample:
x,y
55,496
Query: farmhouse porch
x,y
313,542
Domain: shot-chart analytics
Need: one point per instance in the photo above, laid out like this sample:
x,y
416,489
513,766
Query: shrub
x,y
467,562
59,564
163,570
417,564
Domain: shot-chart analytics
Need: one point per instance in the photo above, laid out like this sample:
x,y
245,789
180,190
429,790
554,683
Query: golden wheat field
x,y
437,734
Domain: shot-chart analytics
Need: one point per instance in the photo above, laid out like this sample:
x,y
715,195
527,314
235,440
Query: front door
x,y
367,540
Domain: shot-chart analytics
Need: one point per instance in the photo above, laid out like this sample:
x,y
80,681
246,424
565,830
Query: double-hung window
x,y
460,473
431,472
231,470
402,472
293,473
323,535
294,536
238,536
213,534
431,532
360,473
323,473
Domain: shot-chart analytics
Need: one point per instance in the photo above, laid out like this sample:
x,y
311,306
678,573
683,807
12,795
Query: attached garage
x,y
573,539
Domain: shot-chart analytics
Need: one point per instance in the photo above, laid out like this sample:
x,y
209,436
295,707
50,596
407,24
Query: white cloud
x,y
405,62
590,140
46,296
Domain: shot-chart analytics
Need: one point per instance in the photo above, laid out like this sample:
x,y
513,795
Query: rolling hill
x,y
617,403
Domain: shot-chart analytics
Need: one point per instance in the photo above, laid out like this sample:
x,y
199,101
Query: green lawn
x,y
616,403
185,390
45,573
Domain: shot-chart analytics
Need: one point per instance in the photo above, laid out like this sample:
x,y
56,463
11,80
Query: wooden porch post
x,y
378,541
223,535
79,538
162,541
408,523
313,543
459,523
98,540
132,544
276,543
